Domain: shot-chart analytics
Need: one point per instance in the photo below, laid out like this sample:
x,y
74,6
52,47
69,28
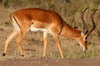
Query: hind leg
x,y
13,34
18,41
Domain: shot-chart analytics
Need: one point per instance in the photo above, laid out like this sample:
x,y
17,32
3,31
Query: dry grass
x,y
33,42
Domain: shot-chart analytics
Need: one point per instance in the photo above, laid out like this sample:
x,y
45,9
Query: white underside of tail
x,y
15,25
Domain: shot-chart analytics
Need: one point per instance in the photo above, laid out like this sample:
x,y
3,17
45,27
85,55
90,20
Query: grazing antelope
x,y
35,19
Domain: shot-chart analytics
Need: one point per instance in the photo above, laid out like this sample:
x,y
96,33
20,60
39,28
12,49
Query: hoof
x,y
4,54
22,55
84,49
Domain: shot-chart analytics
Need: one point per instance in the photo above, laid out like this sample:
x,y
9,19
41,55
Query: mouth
x,y
84,49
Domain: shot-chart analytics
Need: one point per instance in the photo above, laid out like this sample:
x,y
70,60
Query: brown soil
x,y
51,62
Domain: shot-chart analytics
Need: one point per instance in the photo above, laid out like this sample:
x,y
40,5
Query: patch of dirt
x,y
51,62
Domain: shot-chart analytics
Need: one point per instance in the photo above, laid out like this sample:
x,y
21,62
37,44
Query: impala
x,y
35,19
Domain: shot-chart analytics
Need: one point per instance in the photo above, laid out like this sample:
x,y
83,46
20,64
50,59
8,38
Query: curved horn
x,y
93,22
85,28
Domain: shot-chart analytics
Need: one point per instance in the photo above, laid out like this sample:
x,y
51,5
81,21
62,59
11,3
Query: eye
x,y
32,23
85,31
86,39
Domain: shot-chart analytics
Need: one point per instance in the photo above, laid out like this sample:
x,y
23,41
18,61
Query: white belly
x,y
39,29
16,27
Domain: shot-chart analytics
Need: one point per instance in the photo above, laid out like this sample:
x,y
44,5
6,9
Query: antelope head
x,y
86,32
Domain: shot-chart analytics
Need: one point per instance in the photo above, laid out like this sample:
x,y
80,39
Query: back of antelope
x,y
50,22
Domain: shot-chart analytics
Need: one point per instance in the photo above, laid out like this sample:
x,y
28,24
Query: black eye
x,y
86,39
32,23
85,31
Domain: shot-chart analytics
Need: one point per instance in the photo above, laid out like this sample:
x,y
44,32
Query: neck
x,y
70,32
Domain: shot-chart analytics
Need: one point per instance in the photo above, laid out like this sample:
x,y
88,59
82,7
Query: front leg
x,y
56,38
45,43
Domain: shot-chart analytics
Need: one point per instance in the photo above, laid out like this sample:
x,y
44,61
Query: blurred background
x,y
70,11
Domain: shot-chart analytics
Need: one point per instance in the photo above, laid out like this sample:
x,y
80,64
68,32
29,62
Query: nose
x,y
84,49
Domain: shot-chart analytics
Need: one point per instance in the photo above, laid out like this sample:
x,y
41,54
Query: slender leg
x,y
18,41
13,34
45,43
56,38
